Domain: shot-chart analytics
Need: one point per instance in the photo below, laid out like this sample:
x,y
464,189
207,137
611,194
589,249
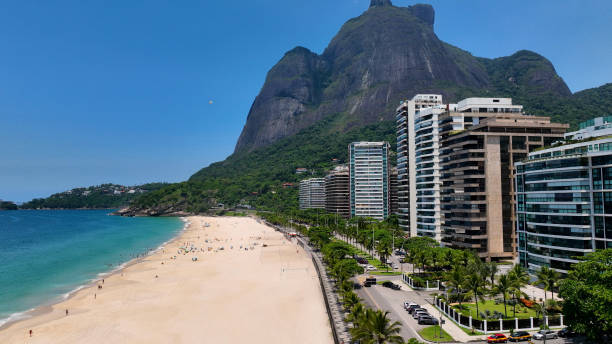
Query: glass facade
x,y
564,204
369,179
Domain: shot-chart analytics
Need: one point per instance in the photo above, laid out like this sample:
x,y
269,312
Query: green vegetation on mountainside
x,y
7,205
257,177
94,197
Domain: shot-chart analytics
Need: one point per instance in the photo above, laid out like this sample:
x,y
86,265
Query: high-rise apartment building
x,y
312,193
480,140
564,200
406,114
369,179
337,192
393,199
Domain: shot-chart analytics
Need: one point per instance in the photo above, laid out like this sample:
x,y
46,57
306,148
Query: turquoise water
x,y
45,254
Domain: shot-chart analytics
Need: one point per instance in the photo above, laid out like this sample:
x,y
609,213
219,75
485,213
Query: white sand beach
x,y
261,295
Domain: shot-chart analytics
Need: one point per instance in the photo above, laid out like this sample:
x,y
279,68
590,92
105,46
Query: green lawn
x,y
384,273
468,309
432,334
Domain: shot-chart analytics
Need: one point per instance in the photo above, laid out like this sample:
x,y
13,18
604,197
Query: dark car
x,y
412,307
361,260
389,284
519,336
369,281
566,333
427,320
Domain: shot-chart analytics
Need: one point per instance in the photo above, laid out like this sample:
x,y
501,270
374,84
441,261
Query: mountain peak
x,y
380,3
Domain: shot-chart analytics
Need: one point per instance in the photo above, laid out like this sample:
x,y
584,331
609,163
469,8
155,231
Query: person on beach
x,y
66,312
30,333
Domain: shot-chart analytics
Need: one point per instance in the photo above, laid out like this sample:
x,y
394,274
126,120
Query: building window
x,y
597,179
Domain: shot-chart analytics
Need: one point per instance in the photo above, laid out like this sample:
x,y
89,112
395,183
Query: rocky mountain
x,y
385,55
312,106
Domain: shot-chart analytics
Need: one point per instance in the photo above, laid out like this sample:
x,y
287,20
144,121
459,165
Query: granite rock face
x,y
376,60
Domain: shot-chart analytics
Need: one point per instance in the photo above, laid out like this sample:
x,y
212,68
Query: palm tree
x,y
503,286
357,314
350,299
384,251
474,283
377,328
548,278
455,280
519,277
490,269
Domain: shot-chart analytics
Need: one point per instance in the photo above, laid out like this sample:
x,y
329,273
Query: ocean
x,y
47,254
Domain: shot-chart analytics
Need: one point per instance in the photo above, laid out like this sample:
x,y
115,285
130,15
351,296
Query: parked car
x,y
395,266
412,307
418,312
497,338
548,333
370,268
566,333
408,303
519,336
389,284
427,320
361,260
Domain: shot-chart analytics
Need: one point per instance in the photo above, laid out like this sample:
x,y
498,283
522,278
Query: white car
x,y
548,333
370,268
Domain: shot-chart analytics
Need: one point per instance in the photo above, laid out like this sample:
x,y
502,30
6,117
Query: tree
x,y
547,278
490,269
350,299
475,284
519,278
587,295
377,328
503,286
384,251
455,281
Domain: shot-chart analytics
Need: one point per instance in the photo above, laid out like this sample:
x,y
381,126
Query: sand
x,y
260,295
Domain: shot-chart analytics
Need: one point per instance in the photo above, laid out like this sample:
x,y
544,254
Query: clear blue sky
x,y
118,91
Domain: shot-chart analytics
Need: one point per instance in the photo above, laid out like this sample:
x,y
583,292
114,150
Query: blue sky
x,y
119,91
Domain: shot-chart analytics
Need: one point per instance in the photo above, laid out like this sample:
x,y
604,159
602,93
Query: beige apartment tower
x,y
481,139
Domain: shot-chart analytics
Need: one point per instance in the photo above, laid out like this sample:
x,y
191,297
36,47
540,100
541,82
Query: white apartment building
x,y
312,193
369,179
406,157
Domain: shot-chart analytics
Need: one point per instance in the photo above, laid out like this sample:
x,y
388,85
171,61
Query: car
x,y
545,333
497,338
566,333
519,336
361,260
369,281
414,309
427,320
370,268
407,304
389,284
417,313
411,307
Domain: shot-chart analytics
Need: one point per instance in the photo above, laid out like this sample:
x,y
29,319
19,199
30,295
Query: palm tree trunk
x,y
505,310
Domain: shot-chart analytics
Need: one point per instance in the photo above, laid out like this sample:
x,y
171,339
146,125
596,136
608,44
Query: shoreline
x,y
201,291
46,307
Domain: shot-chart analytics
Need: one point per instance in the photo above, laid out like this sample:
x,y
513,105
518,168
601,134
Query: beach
x,y
259,288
